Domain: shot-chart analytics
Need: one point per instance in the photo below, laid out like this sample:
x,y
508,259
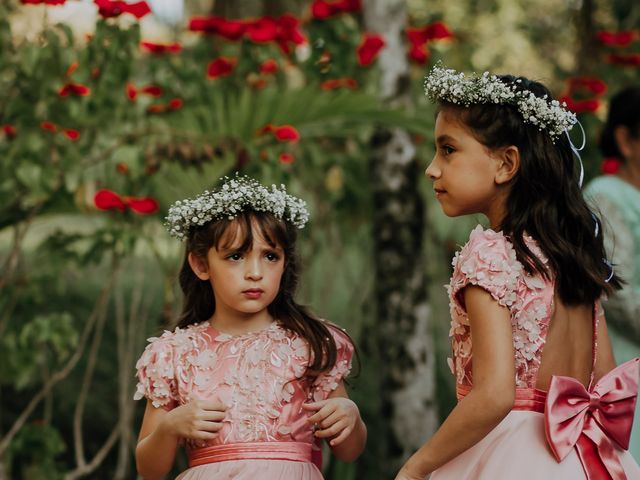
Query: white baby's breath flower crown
x,y
236,194
445,84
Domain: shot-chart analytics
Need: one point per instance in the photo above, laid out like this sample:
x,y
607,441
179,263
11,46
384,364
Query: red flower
x,y
109,200
323,9
49,126
131,91
75,89
9,130
283,30
369,48
590,84
626,60
159,48
286,158
334,83
269,66
72,68
221,67
229,29
175,104
419,54
263,30
419,37
580,106
437,31
151,90
284,133
115,8
616,39
122,168
610,166
71,134
257,83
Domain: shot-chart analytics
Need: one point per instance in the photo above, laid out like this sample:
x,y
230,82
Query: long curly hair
x,y
199,301
545,200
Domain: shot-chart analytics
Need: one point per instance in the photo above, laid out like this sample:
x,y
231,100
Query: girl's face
x,y
244,283
464,171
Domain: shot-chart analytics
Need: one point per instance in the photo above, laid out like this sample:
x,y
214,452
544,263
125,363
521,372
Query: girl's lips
x,y
253,293
439,192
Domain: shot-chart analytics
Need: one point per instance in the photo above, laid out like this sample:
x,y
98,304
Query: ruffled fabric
x,y
259,374
489,261
327,382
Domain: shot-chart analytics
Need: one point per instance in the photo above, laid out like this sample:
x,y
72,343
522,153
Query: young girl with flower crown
x,y
249,379
538,394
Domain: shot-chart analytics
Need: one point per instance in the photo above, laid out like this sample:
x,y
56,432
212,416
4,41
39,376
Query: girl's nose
x,y
432,171
254,270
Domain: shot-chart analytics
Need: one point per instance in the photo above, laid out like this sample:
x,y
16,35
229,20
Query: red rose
x,y
286,158
229,29
9,130
369,48
74,89
49,126
269,66
626,60
616,39
175,104
159,48
115,8
71,134
335,83
221,67
610,166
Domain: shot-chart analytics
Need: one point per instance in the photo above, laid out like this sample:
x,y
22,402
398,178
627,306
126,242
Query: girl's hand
x,y
196,421
335,417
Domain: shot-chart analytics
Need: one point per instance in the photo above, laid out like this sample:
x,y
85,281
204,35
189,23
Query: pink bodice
x,y
257,374
488,260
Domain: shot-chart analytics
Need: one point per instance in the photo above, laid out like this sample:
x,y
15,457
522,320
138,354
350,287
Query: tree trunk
x,y
588,60
404,343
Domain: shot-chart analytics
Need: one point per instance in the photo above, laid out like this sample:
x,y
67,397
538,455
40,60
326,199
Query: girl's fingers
x,y
313,406
330,420
321,414
212,405
205,426
341,436
213,416
332,430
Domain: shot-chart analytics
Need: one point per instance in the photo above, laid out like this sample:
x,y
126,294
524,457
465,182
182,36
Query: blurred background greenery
x,y
153,109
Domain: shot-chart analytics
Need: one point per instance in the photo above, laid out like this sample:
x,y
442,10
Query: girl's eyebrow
x,y
444,139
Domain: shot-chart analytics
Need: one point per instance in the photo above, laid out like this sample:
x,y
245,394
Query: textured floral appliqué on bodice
x,y
258,375
488,260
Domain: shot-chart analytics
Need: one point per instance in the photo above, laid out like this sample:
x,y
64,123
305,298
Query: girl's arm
x,y
493,393
161,430
339,420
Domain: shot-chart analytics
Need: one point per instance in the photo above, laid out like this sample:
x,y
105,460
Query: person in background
x,y
617,198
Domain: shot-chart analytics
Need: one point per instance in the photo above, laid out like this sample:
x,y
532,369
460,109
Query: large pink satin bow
x,y
590,420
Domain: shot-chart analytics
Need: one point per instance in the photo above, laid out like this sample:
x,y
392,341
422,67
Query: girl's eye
x,y
272,257
234,256
448,149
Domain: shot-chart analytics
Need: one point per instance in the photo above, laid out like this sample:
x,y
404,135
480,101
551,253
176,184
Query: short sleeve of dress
x,y
328,381
489,261
156,373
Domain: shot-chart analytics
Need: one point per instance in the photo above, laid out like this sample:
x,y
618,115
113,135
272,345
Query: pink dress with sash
x,y
265,434
569,432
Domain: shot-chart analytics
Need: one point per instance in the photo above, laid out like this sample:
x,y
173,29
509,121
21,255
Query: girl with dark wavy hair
x,y
538,392
250,380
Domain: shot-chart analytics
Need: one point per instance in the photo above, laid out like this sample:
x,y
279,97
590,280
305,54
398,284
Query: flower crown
x,y
234,196
443,84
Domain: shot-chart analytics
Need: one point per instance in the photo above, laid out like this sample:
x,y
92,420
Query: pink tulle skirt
x,y
517,449
253,470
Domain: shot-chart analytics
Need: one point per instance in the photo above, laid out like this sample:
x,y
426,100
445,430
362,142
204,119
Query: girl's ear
x,y
199,266
509,164
621,134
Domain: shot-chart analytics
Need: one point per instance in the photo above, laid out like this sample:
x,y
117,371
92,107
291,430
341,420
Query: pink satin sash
x,y
592,421
292,451
528,399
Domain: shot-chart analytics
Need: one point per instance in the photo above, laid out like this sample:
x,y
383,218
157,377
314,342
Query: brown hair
x,y
545,200
199,302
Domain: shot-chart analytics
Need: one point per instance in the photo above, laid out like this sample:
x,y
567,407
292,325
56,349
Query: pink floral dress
x,y
518,446
265,434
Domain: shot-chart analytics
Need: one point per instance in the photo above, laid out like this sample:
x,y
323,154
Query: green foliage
x,y
35,448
